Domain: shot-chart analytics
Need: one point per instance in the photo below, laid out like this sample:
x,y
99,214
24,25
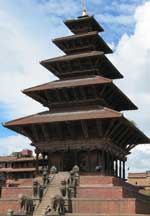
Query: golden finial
x,y
84,13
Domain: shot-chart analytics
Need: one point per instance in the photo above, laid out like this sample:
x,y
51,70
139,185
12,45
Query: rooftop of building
x,y
139,175
24,155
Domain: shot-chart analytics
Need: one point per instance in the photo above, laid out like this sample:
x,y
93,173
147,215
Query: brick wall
x,y
142,207
8,204
100,192
13,192
90,180
126,206
108,195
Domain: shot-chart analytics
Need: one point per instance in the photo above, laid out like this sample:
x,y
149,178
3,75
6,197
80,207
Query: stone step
x,y
13,192
52,190
96,179
110,206
100,192
104,192
8,204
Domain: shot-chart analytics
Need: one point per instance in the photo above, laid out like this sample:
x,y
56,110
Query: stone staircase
x,y
53,189
105,195
13,192
9,195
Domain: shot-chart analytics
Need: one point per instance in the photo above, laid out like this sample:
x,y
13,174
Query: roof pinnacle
x,y
84,12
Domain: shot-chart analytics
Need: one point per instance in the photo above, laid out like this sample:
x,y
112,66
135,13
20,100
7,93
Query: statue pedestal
x,y
20,214
53,213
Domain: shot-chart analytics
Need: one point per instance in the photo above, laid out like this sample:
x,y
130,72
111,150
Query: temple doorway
x,y
69,160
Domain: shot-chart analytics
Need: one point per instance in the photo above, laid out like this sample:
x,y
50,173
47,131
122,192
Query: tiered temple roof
x,y
77,92
83,24
80,65
84,105
90,41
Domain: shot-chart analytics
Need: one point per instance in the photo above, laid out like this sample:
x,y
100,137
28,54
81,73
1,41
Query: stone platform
x,y
105,195
95,196
9,195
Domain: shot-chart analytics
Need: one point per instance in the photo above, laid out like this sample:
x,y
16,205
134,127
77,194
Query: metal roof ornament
x,y
84,12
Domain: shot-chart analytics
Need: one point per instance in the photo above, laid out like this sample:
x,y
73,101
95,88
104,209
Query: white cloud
x,y
132,58
139,159
60,8
14,143
19,66
120,19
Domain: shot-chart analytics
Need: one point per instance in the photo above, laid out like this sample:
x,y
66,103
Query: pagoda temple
x,y
84,124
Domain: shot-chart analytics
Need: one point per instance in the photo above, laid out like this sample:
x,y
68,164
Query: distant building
x,y
140,179
19,165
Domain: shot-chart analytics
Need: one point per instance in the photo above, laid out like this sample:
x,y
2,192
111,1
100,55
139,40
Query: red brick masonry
x,y
109,195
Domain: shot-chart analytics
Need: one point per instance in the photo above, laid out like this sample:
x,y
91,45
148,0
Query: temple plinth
x,y
84,124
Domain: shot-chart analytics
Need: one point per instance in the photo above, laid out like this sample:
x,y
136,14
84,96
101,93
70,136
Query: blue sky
x,y
26,30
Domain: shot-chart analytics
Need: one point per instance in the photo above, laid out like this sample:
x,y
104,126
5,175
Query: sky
x,y
26,30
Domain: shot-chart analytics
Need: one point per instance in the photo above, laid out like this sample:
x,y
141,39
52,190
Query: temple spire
x,y
84,12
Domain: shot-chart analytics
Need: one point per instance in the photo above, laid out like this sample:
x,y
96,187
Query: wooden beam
x,y
59,130
82,91
35,133
126,131
70,130
117,134
60,66
58,95
45,132
126,138
25,132
116,168
108,93
111,101
74,93
54,68
132,144
73,144
47,96
98,60
109,128
84,128
120,169
39,98
66,45
65,94
69,66
103,90
114,129
85,144
124,175
94,91
99,127
130,147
